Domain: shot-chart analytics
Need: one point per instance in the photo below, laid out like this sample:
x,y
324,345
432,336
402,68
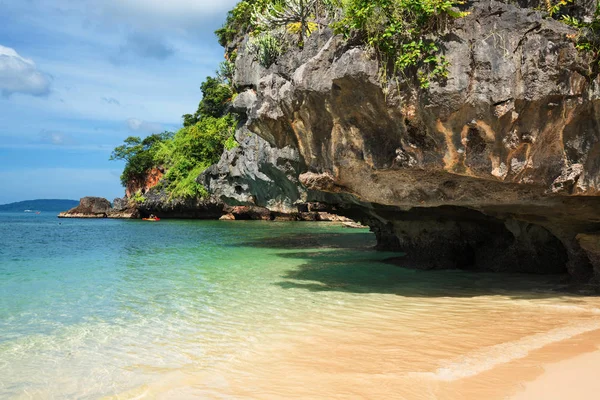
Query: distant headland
x,y
47,205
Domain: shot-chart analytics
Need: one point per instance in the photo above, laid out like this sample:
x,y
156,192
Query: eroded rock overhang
x,y
497,167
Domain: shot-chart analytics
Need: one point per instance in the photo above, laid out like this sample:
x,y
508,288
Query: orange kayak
x,y
151,219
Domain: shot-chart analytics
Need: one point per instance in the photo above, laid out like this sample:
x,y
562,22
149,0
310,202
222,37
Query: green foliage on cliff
x,y
587,38
216,96
187,153
266,48
139,155
138,197
193,149
400,31
231,143
185,186
184,155
206,133
292,14
554,7
271,23
199,144
239,20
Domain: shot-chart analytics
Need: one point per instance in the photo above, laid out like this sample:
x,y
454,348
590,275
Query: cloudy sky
x,y
79,76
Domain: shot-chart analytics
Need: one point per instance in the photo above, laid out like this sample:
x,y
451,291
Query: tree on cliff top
x,y
216,96
196,146
286,13
139,155
193,149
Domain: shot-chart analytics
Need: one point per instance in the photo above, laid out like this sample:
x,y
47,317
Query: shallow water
x,y
186,309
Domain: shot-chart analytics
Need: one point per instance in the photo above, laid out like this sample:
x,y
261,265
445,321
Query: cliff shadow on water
x,y
494,167
349,263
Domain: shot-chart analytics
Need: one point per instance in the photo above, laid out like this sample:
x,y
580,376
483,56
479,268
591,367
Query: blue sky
x,y
79,76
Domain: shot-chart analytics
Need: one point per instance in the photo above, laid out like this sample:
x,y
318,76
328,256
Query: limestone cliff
x,y
497,167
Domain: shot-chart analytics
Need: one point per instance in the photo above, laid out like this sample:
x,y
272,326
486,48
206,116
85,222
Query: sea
x,y
124,309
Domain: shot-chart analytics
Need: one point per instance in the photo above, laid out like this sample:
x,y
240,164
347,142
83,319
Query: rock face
x,y
257,181
98,207
89,207
495,168
158,202
254,181
123,208
257,174
153,177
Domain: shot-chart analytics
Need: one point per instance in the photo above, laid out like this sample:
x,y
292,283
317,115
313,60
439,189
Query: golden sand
x,y
528,350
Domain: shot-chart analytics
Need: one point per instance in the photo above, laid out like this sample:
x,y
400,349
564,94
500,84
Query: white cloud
x,y
138,125
20,75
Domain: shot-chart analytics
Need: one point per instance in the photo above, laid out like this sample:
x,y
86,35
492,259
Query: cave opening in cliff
x,y
462,238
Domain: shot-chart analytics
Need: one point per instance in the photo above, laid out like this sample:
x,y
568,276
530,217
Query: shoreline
x,y
573,377
559,370
565,369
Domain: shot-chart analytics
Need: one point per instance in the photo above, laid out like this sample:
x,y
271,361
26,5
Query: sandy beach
x,y
566,369
573,378
312,368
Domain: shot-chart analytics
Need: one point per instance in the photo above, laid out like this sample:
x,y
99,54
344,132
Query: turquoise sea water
x,y
93,308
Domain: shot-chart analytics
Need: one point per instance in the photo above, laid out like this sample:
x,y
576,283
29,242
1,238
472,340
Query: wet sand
x,y
566,369
363,361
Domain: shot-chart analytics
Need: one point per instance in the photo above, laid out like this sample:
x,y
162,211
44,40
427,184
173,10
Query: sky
x,y
79,76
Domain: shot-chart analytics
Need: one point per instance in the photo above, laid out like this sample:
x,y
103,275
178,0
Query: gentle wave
x,y
570,308
488,358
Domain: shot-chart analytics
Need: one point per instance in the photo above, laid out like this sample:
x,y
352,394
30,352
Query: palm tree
x,y
289,12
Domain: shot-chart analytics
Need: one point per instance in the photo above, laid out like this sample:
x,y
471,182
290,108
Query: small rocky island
x,y
98,207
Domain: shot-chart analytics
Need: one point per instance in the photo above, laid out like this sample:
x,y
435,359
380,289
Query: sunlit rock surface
x,y
495,168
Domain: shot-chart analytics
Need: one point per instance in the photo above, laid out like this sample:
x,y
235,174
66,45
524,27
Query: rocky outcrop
x,y
495,168
123,208
590,244
307,212
158,202
98,207
258,181
89,207
581,9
